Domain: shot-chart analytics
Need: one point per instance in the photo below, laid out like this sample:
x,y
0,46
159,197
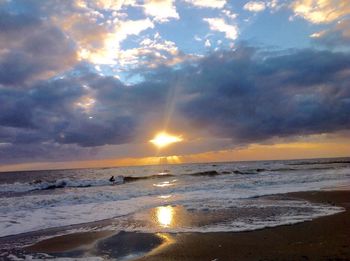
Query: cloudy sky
x,y
89,82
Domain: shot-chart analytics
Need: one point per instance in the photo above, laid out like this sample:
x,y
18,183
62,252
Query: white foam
x,y
285,212
65,215
74,205
60,183
22,221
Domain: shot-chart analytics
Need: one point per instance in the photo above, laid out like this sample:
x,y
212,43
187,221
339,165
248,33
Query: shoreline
x,y
323,238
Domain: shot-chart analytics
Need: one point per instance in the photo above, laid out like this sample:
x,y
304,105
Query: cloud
x,y
161,10
110,51
229,14
207,3
60,112
321,11
31,49
125,28
151,53
240,95
41,152
255,6
197,38
250,99
207,43
105,4
92,28
219,24
339,35
54,105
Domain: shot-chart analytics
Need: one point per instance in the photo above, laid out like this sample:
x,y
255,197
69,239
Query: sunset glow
x,y
164,139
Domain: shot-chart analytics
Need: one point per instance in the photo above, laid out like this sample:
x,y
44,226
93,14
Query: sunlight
x,y
165,215
165,183
164,139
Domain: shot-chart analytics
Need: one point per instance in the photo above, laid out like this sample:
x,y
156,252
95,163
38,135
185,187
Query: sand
x,y
325,238
69,242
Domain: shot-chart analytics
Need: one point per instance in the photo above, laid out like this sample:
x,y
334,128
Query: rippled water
x,y
35,200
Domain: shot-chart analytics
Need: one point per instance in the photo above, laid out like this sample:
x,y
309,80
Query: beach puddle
x,y
70,242
103,244
128,245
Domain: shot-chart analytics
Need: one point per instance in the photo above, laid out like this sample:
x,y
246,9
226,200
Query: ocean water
x,y
228,194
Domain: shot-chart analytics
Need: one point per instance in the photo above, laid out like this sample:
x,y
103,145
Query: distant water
x,y
35,200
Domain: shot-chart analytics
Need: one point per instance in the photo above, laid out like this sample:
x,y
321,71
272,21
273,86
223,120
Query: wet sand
x,y
325,238
69,242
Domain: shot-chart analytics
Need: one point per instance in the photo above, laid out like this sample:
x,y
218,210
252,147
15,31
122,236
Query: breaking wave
x,y
38,184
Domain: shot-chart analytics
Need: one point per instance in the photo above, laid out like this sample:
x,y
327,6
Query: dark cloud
x,y
41,152
31,49
238,94
53,111
338,36
251,99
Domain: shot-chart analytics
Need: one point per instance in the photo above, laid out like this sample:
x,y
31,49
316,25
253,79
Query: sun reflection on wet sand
x,y
165,215
167,241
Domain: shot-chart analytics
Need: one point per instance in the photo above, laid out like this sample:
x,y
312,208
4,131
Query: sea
x,y
38,200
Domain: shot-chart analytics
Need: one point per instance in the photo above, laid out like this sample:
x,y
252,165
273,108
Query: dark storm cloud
x,y
31,48
36,152
250,99
46,116
53,111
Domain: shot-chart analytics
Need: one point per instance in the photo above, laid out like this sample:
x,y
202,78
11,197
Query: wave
x,y
318,162
137,178
212,173
57,184
206,173
36,185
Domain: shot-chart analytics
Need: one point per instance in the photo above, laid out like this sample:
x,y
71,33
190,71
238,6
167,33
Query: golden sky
x,y
337,147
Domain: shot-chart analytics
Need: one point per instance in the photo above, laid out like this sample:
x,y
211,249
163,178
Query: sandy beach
x,y
325,238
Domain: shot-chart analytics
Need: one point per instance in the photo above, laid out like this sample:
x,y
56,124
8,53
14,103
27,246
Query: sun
x,y
163,139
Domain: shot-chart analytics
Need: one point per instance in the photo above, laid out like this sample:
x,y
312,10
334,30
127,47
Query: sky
x,y
88,83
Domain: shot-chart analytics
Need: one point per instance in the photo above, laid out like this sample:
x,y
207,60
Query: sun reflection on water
x,y
165,196
164,215
165,183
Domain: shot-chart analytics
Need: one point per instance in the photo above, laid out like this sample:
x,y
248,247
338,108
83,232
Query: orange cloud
x,y
321,11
